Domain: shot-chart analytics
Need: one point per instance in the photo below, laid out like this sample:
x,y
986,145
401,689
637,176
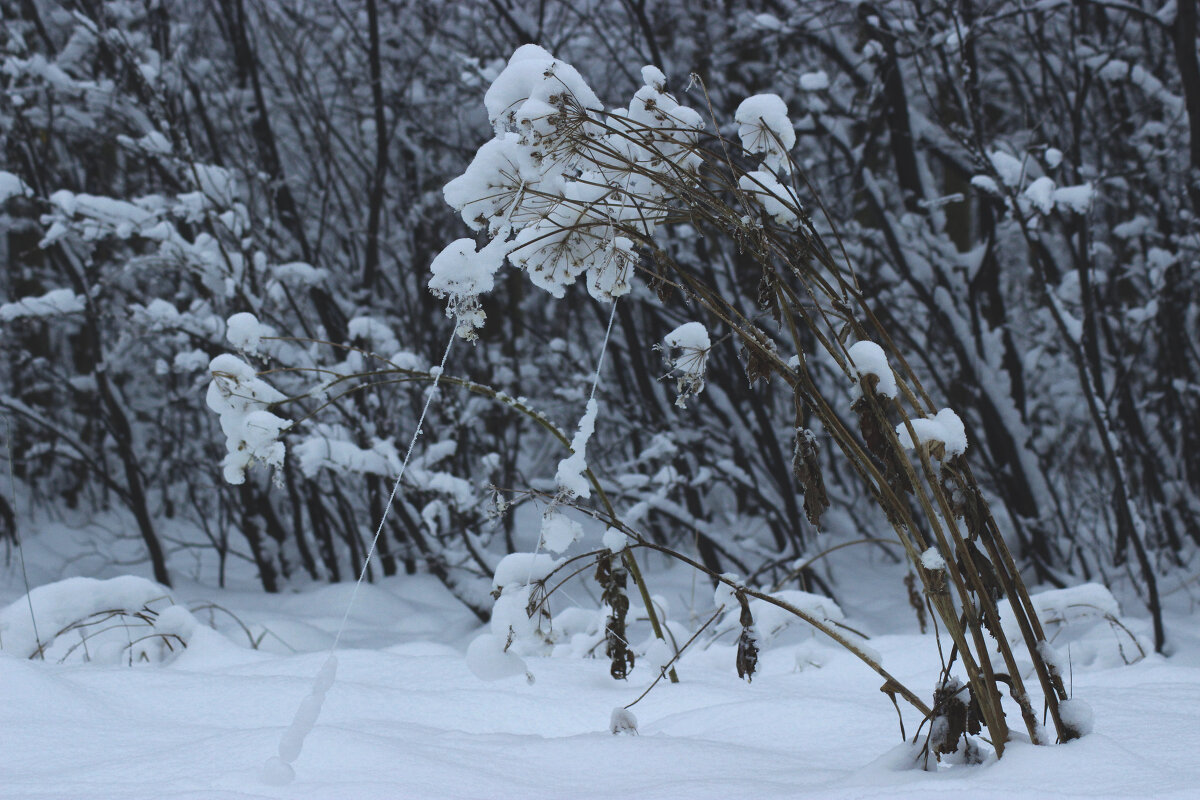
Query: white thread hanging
x,y
278,770
591,396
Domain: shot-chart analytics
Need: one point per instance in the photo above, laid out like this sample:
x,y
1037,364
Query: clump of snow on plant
x,y
622,722
764,127
1077,715
944,427
559,531
686,349
814,81
461,274
724,595
614,540
520,568
535,94
549,191
1042,194
245,332
779,202
12,186
932,560
1010,169
868,358
489,659
241,399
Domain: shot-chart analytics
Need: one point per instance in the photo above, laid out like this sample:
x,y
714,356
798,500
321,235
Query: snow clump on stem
x,y
565,190
868,359
764,127
686,350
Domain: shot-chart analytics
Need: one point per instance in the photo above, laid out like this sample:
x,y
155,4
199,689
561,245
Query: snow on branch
x,y
241,399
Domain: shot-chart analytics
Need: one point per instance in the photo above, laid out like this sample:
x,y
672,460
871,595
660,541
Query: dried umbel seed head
x,y
686,350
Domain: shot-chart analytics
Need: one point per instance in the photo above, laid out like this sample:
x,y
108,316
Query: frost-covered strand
x,y
278,769
570,477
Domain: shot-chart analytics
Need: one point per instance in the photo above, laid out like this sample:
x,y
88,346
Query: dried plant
x,y
901,450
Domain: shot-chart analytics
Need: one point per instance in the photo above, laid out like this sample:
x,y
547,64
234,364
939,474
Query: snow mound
x,y
120,620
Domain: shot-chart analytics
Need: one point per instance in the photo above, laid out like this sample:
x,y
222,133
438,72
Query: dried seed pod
x,y
767,297
612,582
874,426
950,717
758,365
747,652
807,470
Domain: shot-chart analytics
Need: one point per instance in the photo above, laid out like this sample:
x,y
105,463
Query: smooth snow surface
x,y
409,717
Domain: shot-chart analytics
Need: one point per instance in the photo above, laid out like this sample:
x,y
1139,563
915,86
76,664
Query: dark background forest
x,y
1017,185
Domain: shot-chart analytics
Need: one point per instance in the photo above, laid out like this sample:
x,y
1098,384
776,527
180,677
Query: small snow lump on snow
x,y
622,722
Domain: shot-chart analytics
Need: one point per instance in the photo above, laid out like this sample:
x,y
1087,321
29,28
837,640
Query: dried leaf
x,y
807,469
949,723
747,651
759,365
871,422
915,599
612,581
767,297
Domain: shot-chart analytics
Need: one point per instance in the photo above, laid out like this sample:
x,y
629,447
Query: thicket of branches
x,y
1016,187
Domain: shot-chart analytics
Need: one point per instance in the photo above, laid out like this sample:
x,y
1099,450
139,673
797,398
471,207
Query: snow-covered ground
x,y
406,718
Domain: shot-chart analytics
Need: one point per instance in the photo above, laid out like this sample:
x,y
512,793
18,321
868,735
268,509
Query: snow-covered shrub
x,y
124,620
576,185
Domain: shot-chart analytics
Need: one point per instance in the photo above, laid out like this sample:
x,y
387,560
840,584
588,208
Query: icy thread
x,y
277,770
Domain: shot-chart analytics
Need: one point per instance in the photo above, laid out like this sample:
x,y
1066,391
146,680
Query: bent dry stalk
x,y
647,166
